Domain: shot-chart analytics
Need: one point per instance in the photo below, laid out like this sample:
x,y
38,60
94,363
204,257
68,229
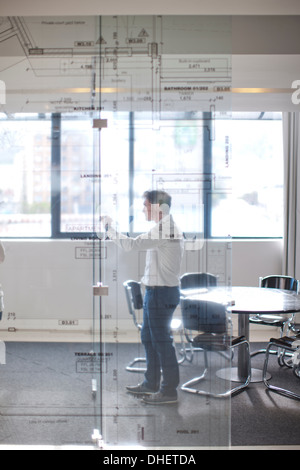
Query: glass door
x,y
163,81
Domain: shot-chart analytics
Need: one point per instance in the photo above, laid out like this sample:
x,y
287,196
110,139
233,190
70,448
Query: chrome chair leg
x,y
132,368
274,388
187,387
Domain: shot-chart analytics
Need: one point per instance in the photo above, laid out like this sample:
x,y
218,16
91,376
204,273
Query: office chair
x,y
280,321
195,280
206,326
293,328
292,345
135,301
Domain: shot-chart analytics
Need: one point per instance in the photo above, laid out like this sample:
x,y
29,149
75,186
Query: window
x,y
255,208
76,176
224,172
94,174
169,155
25,176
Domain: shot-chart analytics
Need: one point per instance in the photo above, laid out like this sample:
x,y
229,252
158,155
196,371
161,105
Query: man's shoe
x,y
160,399
140,389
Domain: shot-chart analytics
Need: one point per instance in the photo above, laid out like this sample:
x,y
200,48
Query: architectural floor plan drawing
x,y
157,87
138,63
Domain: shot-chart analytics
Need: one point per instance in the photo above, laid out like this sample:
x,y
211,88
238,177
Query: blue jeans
x,y
159,306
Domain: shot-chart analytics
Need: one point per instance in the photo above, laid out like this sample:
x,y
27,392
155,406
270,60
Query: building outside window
x,y
56,176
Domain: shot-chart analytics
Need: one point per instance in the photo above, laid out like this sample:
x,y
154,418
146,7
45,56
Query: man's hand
x,y
106,221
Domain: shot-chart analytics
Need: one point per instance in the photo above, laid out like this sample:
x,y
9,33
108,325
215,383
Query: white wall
x,y
174,7
48,283
254,258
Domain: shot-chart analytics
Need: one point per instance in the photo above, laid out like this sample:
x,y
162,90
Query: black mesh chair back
x,y
203,316
136,294
134,298
193,280
279,282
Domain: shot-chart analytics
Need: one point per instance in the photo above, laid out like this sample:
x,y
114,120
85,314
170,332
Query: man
x,y
164,246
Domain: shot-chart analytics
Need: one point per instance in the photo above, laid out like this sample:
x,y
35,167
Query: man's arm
x,y
142,242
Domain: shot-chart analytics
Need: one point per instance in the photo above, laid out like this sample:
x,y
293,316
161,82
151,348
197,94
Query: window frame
x,y
56,129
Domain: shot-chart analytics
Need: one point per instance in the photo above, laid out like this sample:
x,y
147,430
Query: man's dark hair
x,y
158,197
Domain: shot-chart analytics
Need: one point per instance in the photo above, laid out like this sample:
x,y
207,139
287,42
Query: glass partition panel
x,y
171,75
94,112
48,185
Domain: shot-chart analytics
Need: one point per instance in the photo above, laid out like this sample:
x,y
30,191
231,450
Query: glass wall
x,y
97,111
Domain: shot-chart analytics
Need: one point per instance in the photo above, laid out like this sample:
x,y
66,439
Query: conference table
x,y
246,301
